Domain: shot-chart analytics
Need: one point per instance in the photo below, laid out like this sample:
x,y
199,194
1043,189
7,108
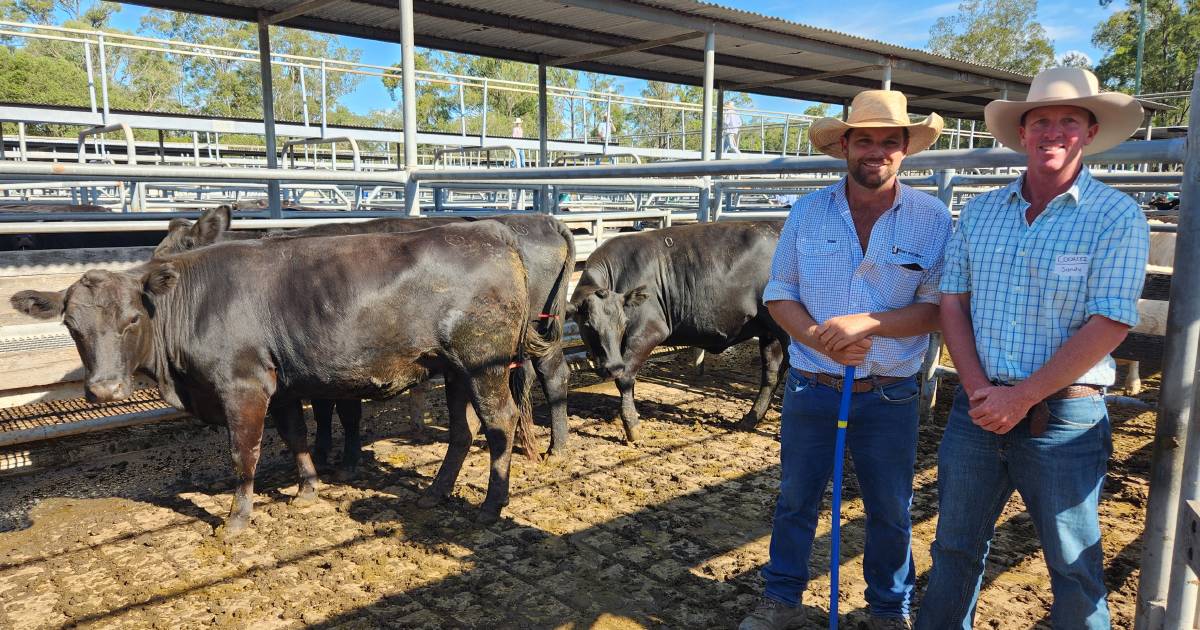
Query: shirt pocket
x,y
1063,272
900,275
820,263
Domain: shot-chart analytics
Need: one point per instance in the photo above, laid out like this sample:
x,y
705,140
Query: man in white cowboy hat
x,y
1041,283
854,282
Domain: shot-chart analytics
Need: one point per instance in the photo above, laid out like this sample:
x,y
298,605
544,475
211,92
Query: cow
x,y
696,285
547,246
363,316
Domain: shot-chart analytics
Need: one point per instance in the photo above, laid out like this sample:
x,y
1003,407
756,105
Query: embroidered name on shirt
x,y
1071,265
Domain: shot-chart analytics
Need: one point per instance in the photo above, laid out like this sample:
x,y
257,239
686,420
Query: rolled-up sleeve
x,y
956,267
784,283
1117,269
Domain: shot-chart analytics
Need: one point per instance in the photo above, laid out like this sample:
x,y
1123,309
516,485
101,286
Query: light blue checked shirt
x,y
1033,286
820,264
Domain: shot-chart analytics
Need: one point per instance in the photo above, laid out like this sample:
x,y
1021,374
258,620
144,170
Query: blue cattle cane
x,y
839,450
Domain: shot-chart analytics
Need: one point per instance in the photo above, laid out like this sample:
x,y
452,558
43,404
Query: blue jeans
x,y
882,440
1059,475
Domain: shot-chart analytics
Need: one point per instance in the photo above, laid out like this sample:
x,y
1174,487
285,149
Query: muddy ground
x,y
670,533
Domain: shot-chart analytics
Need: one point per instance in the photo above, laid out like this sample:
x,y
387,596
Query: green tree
x,y
999,33
1170,56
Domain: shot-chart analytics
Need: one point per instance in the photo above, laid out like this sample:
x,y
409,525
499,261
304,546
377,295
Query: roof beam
x,y
930,97
297,10
646,45
765,36
739,87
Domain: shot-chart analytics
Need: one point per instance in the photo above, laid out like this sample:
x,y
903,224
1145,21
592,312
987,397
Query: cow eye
x,y
133,321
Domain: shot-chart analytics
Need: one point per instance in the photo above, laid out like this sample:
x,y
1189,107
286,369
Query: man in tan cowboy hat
x,y
1041,283
854,282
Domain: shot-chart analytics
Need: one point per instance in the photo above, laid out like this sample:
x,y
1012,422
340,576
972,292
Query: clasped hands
x,y
846,338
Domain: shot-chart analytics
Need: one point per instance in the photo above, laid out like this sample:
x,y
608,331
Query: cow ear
x,y
211,224
161,279
39,304
636,296
176,239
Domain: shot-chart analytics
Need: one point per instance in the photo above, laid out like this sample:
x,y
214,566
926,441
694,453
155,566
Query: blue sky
x,y
1069,23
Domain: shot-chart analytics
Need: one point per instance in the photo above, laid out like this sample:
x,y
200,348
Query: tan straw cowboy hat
x,y
872,109
1118,115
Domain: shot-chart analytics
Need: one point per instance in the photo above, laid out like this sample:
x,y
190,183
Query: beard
x,y
869,178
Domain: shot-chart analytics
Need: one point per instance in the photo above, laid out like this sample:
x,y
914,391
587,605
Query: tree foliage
x,y
1170,56
999,33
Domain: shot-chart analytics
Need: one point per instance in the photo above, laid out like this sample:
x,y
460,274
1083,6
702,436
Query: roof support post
x,y
268,100
544,204
1166,524
543,109
706,127
887,75
408,83
720,124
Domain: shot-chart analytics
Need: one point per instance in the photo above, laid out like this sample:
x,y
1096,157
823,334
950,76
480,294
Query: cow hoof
x,y
487,517
232,528
429,500
305,498
748,422
633,435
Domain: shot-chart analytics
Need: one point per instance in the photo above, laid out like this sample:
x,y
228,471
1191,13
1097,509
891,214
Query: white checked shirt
x,y
820,264
1033,286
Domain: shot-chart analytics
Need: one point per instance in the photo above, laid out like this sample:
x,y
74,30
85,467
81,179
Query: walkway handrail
x,y
130,148
356,155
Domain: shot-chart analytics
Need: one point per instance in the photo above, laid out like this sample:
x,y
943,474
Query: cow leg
x,y
289,421
323,414
463,426
417,395
641,344
244,417
498,414
555,376
772,353
350,412
1133,379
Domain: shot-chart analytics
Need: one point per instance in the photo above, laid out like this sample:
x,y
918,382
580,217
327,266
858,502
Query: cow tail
x,y
521,385
554,331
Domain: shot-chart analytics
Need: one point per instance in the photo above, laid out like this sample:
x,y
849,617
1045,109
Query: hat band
x,y
893,121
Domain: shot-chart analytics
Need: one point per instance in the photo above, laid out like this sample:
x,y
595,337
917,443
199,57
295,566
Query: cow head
x,y
183,235
602,317
109,317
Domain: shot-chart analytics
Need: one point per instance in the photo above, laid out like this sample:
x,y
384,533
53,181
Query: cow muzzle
x,y
107,390
611,370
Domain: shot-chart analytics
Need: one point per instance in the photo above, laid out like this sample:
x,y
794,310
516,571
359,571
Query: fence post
x,y
87,64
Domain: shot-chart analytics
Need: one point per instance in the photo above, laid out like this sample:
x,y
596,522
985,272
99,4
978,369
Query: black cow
x,y
342,317
548,250
696,285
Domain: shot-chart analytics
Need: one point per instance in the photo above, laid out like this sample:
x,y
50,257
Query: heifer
x,y
696,285
342,317
548,249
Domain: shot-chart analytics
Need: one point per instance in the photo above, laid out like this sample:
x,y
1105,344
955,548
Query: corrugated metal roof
x,y
751,48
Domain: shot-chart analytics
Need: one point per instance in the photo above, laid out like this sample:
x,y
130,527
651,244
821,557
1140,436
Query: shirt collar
x,y
838,194
1075,192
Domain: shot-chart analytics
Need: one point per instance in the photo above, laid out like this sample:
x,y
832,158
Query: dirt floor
x,y
670,533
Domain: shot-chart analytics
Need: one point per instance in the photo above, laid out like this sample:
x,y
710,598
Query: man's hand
x,y
853,354
837,333
999,408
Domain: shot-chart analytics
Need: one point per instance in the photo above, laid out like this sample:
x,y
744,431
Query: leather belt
x,y
859,386
1039,414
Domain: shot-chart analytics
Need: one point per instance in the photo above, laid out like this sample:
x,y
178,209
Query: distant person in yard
x,y
1041,283
731,130
518,131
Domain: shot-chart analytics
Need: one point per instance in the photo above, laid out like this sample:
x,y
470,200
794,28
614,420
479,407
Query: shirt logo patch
x,y
1071,265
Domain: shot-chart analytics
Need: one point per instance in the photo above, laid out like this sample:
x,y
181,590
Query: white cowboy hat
x,y
1118,115
875,109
